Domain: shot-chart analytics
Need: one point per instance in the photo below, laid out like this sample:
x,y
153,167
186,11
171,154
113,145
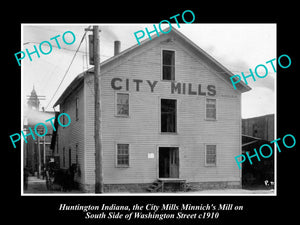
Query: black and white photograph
x,y
169,115
149,109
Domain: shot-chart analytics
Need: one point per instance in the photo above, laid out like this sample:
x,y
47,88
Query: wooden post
x,y
39,157
98,149
44,147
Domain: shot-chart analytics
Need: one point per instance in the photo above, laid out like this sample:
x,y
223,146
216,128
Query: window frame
x,y
63,157
116,105
76,155
162,65
117,165
216,106
76,108
176,116
70,157
205,157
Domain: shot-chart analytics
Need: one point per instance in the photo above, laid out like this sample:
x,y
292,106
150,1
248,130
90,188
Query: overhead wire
x,y
87,66
68,67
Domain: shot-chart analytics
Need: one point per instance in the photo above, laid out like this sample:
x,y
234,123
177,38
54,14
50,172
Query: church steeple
x,y
33,100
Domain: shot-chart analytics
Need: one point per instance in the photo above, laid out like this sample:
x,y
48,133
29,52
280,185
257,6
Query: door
x,y
168,162
174,163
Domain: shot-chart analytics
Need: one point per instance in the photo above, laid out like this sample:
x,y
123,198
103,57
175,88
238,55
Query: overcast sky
x,y
236,46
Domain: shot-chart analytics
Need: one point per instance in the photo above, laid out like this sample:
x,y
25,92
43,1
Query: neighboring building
x,y
36,151
168,111
261,127
259,171
257,131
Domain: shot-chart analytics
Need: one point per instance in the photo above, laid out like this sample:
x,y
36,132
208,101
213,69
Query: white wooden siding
x,y
89,160
142,128
73,134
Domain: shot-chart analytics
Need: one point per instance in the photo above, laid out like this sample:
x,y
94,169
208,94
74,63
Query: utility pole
x,y
39,157
44,148
98,147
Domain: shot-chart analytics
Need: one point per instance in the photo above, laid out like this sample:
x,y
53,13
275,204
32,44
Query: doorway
x,y
168,162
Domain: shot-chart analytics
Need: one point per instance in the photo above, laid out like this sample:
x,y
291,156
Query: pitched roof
x,y
72,86
222,71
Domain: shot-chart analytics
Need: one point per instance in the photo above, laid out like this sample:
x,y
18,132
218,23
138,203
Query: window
x,y
76,108
70,157
168,115
255,130
64,157
168,69
211,109
76,148
122,104
210,155
122,155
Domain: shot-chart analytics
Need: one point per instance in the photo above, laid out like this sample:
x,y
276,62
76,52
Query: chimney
x,y
117,47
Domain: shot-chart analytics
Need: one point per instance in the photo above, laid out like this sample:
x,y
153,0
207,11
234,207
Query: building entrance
x,y
168,162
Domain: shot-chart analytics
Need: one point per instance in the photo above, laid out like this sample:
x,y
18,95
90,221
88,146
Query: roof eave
x,y
242,87
72,86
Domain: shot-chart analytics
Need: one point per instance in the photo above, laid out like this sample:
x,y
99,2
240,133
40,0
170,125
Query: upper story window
x,y
76,151
168,115
76,108
211,109
168,64
122,104
63,157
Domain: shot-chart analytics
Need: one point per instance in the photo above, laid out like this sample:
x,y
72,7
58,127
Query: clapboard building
x,y
168,111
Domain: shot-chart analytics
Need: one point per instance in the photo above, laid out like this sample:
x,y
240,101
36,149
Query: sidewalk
x,y
234,192
36,185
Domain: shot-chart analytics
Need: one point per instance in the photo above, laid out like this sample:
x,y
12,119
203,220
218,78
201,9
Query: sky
x,y
238,47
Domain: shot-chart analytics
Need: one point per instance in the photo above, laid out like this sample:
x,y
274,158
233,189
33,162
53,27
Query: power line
x,y
67,68
34,42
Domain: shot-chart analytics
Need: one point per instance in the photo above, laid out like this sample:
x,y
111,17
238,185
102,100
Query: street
x,y
38,186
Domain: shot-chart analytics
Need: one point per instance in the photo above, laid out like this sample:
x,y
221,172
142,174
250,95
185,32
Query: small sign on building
x,y
150,155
